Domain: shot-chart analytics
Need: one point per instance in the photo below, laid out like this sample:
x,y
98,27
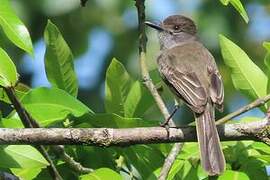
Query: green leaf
x,y
20,90
246,76
238,6
233,175
117,86
49,106
190,150
188,171
225,2
138,100
59,61
261,147
267,63
176,167
115,121
14,28
14,122
254,168
266,45
26,173
145,159
8,73
101,174
21,156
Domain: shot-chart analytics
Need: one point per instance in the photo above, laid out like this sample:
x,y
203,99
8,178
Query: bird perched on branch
x,y
191,73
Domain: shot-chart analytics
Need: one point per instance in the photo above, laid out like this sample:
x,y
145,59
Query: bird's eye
x,y
176,27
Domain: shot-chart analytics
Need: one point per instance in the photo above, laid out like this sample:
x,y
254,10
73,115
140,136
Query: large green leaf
x,y
21,156
14,28
138,100
49,106
117,86
102,174
238,6
8,73
233,175
246,76
59,61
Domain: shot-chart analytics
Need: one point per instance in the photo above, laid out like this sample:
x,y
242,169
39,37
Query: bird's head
x,y
174,29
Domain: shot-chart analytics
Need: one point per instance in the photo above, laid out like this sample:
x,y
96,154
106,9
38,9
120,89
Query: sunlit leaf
x,y
117,86
21,156
246,76
233,175
101,174
49,106
8,73
14,28
238,6
176,167
261,147
26,173
59,61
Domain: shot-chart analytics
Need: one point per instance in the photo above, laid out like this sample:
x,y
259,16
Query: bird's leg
x,y
176,107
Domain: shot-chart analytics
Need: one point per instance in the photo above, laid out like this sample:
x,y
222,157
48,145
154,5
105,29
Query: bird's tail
x,y
212,158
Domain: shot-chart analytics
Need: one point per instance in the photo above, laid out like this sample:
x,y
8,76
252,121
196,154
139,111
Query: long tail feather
x,y
212,157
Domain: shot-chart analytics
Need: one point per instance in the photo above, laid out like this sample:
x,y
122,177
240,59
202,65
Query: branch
x,y
151,87
105,137
29,122
258,102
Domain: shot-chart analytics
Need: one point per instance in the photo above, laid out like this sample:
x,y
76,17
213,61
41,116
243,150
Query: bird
x,y
190,71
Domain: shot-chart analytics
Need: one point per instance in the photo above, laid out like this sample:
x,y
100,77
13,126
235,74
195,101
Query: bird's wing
x,y
216,88
186,85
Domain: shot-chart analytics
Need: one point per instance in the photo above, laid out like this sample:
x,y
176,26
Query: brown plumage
x,y
190,71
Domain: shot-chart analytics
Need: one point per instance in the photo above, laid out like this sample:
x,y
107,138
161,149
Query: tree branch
x,y
258,102
151,87
106,137
29,122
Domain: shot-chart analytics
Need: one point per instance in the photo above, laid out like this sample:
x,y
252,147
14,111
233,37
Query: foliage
x,y
59,54
127,103
238,6
242,67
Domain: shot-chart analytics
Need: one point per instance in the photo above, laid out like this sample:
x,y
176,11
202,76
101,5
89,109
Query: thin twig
x,y
258,102
106,137
77,167
148,83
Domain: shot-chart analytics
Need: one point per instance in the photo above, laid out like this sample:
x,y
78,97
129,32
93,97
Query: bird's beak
x,y
155,26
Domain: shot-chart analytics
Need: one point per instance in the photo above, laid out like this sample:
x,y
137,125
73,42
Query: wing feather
x,y
186,85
